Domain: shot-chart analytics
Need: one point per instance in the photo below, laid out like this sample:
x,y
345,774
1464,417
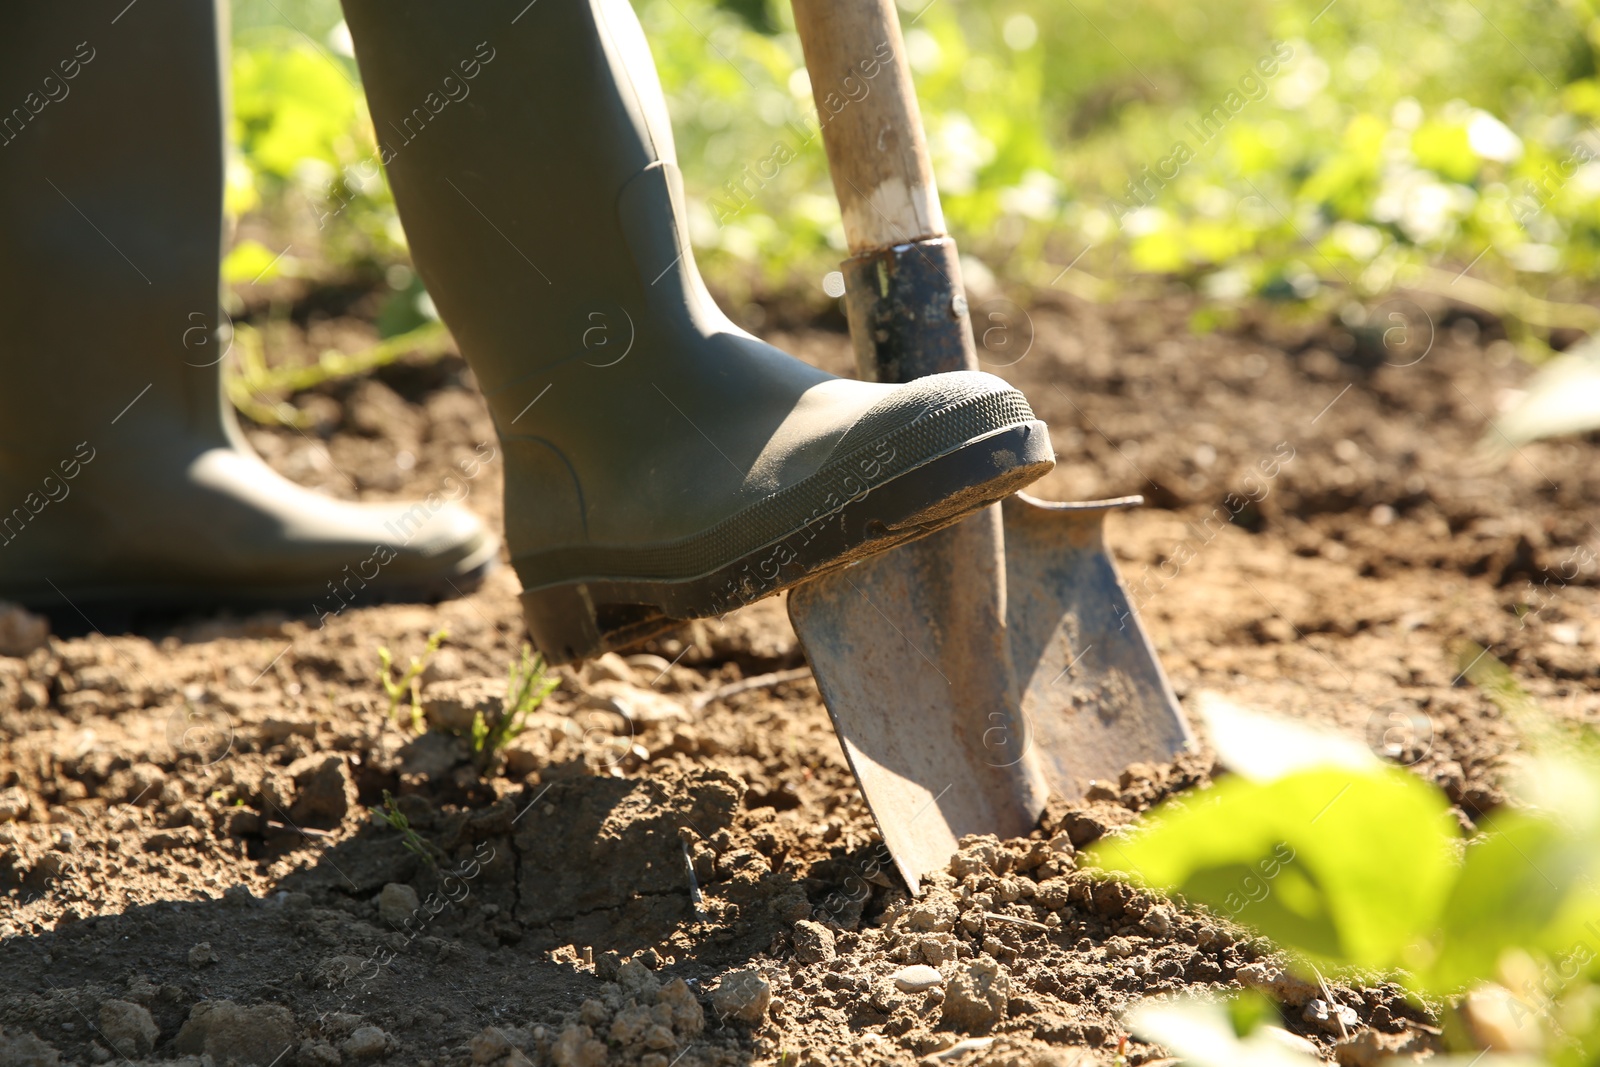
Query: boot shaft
x,y
111,169
519,140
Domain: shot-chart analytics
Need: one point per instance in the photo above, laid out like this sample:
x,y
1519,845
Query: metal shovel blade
x,y
974,672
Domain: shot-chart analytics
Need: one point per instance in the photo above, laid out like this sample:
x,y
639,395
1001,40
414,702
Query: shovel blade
x,y
971,673
1094,696
908,648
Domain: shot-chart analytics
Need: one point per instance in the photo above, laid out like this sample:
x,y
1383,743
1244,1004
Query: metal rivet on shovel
x,y
974,672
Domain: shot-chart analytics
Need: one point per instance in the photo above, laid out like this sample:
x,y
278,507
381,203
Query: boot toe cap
x,y
994,401
443,545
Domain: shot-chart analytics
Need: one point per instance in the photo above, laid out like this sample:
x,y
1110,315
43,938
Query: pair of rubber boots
x,y
678,470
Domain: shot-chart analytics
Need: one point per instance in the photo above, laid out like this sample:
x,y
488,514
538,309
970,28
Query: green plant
x,y
260,391
1360,866
409,681
408,837
527,684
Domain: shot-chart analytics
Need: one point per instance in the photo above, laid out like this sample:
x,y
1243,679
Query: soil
x,y
666,868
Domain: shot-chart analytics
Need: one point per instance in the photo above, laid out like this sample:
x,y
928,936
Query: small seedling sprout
x,y
409,681
527,685
408,837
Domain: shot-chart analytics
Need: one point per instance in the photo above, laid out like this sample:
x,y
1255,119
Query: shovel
x,y
972,673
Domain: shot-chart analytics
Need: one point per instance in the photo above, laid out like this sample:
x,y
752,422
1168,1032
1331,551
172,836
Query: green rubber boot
x,y
661,463
123,479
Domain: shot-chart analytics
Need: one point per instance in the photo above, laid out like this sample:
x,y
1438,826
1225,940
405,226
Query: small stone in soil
x,y
1330,1018
397,903
916,978
365,1043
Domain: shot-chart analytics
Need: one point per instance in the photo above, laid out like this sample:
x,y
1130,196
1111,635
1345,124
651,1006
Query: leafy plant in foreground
x,y
1362,867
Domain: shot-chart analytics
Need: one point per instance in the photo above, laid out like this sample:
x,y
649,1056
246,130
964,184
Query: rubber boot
x,y
123,478
661,463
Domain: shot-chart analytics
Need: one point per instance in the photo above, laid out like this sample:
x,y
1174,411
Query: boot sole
x,y
74,610
583,618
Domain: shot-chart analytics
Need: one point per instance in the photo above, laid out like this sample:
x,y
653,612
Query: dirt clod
x,y
26,1050
452,705
324,792
254,1036
975,998
577,1047
318,1054
933,915
22,633
742,995
1370,1048
494,1043
1286,988
14,804
128,1027
813,942
634,703
1500,1021
1157,922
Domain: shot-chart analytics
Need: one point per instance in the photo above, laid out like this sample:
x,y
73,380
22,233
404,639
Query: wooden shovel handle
x,y
871,125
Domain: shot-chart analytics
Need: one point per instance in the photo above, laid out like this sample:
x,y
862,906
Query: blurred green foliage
x,y
1361,868
1247,146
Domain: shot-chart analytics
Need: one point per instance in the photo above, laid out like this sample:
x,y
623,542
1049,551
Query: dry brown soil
x,y
192,864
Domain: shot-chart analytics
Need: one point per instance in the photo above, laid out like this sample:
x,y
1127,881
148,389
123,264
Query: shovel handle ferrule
x,y
907,312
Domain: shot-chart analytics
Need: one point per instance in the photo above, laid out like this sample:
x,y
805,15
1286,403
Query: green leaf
x,y
1443,147
1350,868
1248,1010
291,104
250,261
1512,887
